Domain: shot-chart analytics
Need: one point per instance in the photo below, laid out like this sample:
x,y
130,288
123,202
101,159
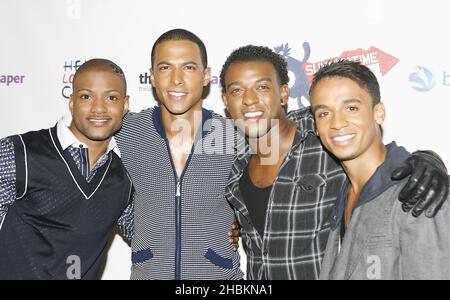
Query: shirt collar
x,y
305,121
379,182
206,124
67,138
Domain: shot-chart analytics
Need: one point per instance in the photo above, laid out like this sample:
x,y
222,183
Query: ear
x,y
152,77
284,93
225,101
206,76
379,113
126,105
71,104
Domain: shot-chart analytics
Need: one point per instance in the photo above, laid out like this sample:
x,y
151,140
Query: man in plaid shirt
x,y
283,184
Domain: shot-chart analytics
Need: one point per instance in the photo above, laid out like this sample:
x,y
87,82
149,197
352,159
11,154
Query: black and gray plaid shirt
x,y
299,209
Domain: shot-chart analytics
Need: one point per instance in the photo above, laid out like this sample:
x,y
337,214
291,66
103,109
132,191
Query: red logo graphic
x,y
368,57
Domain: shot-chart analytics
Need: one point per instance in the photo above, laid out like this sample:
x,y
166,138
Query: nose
x,y
338,121
250,97
98,105
177,76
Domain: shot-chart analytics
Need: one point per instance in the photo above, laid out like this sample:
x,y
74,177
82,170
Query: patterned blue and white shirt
x,y
79,153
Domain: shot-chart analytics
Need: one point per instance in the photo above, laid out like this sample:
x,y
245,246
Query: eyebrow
x,y
348,101
83,90
264,79
259,80
113,90
190,62
90,91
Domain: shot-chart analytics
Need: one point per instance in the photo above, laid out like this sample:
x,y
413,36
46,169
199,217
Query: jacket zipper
x,y
178,194
178,182
178,231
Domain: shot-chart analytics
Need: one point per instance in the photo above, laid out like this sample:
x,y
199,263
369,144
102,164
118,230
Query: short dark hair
x,y
101,64
352,70
251,53
179,35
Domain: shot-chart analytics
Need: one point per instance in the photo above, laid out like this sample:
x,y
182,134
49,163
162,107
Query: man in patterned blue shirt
x,y
178,157
63,189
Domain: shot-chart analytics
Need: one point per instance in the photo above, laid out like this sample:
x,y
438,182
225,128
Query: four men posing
x,y
283,185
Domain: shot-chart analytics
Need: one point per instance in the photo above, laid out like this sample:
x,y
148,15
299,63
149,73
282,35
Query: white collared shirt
x,y
67,138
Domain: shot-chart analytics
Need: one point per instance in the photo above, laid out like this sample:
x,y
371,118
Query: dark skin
x,y
426,190
98,105
179,77
234,235
255,97
344,110
259,92
263,175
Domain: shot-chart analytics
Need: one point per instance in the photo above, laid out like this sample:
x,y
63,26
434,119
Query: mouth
x,y
343,139
253,115
177,95
98,122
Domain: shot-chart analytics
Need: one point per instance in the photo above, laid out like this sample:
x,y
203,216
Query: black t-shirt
x,y
256,200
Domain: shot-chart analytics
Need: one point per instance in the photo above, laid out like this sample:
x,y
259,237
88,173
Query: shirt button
x,y
81,146
265,253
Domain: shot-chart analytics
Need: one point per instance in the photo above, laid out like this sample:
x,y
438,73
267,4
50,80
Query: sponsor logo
x,y
301,71
299,84
422,79
70,67
146,86
11,79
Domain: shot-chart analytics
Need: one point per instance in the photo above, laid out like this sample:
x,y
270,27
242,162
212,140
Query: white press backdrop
x,y
42,43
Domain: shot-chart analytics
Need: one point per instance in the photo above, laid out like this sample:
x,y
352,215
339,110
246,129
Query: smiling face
x,y
178,76
346,120
98,104
254,97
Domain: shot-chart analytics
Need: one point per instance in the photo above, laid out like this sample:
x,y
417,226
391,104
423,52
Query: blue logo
x,y
70,67
422,79
300,88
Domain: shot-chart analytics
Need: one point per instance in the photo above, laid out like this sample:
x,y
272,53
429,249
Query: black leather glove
x,y
427,188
